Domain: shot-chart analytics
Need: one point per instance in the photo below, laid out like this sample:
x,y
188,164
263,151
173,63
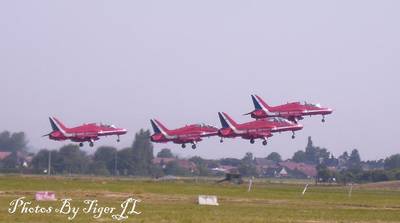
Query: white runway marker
x,y
208,200
250,185
351,189
305,189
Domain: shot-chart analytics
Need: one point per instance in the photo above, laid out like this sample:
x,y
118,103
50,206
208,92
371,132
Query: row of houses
x,y
183,163
269,168
264,167
21,158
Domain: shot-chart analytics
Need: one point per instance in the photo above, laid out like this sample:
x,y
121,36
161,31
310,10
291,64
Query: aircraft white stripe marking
x,y
263,107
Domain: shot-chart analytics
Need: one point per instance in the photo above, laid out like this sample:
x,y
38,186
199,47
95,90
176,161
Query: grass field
x,y
176,201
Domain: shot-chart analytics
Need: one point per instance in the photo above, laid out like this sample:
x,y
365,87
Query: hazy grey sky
x,y
125,62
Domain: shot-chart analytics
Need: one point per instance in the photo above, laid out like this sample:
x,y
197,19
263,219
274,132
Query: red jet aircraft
x,y
84,133
293,111
258,129
188,134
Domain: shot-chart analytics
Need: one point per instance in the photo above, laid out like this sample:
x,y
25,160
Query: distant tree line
x,y
70,159
137,160
348,168
13,144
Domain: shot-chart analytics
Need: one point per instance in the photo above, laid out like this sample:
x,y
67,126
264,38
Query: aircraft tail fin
x,y
57,125
53,125
255,102
226,121
155,127
158,127
260,103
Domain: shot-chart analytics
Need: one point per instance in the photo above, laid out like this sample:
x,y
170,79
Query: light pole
x,y
115,163
49,164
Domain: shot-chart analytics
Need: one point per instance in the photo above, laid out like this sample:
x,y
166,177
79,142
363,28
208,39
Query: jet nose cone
x,y
123,131
326,111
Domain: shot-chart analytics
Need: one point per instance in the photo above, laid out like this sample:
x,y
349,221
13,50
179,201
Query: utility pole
x,y
115,163
49,164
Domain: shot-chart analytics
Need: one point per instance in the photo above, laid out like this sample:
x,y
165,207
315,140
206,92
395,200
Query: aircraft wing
x,y
187,139
291,114
261,134
208,134
85,136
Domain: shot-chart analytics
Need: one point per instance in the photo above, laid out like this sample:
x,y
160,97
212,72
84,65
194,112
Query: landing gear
x,y
293,136
252,141
118,140
221,140
91,144
81,144
264,142
194,146
183,146
323,118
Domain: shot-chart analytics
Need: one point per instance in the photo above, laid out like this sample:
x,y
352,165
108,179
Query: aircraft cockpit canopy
x,y
279,119
311,104
107,126
202,125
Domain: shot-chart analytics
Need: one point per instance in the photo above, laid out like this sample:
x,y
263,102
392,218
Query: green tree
x,y
165,153
98,168
247,166
274,156
332,161
374,176
72,159
354,163
57,166
347,177
40,161
142,153
299,156
11,162
355,156
392,162
138,159
108,156
312,154
13,142
157,171
343,160
125,162
230,162
323,173
173,168
201,165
